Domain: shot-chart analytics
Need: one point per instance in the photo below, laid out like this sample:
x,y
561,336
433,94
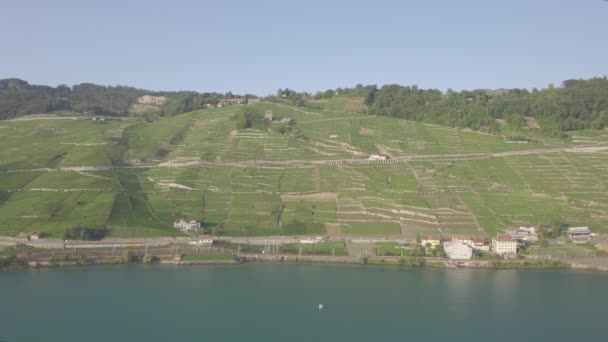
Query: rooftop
x,y
504,237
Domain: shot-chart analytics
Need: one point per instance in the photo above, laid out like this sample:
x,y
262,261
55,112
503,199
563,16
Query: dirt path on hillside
x,y
322,196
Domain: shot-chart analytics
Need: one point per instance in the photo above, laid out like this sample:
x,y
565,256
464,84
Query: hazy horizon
x,y
258,48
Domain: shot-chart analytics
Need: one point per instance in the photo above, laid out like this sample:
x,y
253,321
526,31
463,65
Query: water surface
x,y
274,302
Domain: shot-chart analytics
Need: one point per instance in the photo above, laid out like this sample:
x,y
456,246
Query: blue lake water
x,y
274,302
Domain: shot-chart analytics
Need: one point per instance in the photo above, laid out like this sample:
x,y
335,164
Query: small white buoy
x,y
320,307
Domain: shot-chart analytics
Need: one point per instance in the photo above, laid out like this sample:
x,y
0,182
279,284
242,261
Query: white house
x,y
504,244
185,226
457,250
378,157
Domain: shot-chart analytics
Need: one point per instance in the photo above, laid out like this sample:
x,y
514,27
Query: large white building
x,y
457,250
186,226
504,244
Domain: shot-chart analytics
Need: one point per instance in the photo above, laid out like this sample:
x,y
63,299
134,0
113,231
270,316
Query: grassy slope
x,y
479,197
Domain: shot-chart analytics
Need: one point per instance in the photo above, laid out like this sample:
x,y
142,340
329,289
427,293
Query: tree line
x,y
576,105
18,97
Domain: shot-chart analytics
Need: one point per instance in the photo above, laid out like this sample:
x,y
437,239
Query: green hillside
x,y
305,176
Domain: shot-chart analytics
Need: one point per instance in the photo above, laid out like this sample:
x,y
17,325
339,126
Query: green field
x,y
136,177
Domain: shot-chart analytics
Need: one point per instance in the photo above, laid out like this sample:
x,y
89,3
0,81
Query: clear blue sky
x,y
259,46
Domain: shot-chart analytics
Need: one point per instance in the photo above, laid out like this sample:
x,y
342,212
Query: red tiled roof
x,y
504,238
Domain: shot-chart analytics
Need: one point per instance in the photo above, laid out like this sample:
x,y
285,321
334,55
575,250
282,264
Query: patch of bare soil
x,y
85,144
43,116
389,151
351,149
333,229
501,122
147,103
531,122
181,162
321,196
152,100
366,131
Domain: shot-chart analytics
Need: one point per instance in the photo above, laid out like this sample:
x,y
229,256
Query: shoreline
x,y
432,263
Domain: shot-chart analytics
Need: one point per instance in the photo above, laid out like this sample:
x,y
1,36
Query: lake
x,y
279,302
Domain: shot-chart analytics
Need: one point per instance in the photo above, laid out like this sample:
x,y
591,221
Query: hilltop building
x,y
229,102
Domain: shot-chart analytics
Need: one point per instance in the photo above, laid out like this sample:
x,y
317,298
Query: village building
x,y
480,245
504,244
285,120
467,240
185,225
525,234
579,234
457,250
433,241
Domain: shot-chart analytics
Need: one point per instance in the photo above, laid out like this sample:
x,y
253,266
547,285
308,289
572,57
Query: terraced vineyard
x,y
136,177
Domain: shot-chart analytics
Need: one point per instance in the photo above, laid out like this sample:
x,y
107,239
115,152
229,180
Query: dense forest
x,y
17,97
577,104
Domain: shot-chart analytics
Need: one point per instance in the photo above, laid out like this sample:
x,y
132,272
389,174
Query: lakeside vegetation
x,y
208,257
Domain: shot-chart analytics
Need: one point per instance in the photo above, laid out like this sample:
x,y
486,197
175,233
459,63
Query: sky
x,y
257,47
